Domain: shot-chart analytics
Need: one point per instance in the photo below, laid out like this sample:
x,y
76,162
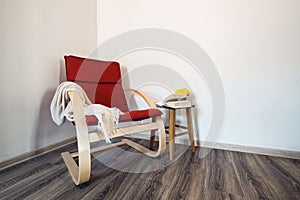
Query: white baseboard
x,y
252,149
35,153
232,147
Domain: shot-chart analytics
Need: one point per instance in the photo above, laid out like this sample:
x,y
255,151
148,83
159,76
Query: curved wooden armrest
x,y
148,99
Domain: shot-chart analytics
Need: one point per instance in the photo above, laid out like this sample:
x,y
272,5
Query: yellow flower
x,y
182,91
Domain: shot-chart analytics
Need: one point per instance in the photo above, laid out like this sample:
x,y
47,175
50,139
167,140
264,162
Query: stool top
x,y
167,106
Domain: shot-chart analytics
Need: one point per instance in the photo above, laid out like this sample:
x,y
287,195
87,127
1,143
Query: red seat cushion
x,y
135,115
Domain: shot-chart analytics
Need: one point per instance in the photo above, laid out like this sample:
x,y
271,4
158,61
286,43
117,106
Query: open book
x,y
178,104
175,101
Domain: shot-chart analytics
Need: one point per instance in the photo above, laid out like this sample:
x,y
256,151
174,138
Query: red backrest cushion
x,y
101,80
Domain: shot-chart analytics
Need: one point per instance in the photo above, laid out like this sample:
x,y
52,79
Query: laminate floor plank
x,y
27,168
222,176
125,174
199,180
276,176
249,172
31,184
177,179
219,195
291,166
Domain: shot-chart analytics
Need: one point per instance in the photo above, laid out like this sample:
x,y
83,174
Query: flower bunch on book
x,y
177,100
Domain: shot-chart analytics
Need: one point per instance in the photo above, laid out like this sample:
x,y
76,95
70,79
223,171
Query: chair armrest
x,y
80,173
144,96
78,110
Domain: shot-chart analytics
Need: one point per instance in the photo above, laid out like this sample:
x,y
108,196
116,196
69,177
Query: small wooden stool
x,y
173,126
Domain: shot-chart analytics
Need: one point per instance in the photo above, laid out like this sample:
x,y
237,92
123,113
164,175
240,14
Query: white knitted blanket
x,y
61,107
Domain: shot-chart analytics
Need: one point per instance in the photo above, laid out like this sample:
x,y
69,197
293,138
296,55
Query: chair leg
x,y
80,173
82,185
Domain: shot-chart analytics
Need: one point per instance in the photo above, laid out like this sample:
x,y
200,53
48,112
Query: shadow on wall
x,y
126,84
47,132
62,71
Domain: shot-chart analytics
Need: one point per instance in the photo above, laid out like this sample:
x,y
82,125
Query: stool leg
x,y
152,138
172,119
190,128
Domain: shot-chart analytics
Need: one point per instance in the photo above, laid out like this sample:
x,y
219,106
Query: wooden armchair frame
x,y
81,172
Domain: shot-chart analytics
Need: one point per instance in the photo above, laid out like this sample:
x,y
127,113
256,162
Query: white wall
x,y
254,45
34,36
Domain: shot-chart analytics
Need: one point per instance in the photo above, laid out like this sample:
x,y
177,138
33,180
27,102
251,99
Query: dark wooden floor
x,y
220,175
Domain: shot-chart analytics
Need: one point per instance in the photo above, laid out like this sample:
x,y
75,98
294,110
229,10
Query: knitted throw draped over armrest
x,y
61,106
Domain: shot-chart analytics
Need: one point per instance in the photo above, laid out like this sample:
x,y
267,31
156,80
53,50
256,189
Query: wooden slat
x,y
137,146
181,133
103,148
96,136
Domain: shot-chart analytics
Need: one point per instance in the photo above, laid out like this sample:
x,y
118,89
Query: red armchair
x,y
102,83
